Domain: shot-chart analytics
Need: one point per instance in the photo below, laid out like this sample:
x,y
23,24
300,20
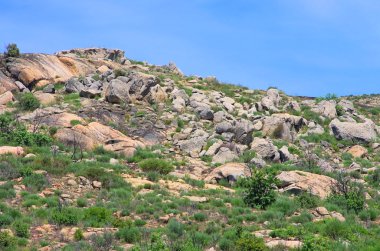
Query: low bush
x,y
66,216
200,217
142,154
28,102
97,216
129,234
78,235
250,243
21,229
35,182
7,242
156,165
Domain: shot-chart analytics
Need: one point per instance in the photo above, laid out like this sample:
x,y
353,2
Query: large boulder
x,y
224,155
362,132
194,144
265,149
51,116
14,150
134,86
95,134
298,181
271,101
117,92
283,126
6,97
230,172
326,108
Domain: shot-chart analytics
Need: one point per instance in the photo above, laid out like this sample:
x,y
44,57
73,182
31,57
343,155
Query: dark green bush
x,y
81,202
200,217
28,102
12,50
307,200
129,234
259,190
21,229
97,216
156,165
66,216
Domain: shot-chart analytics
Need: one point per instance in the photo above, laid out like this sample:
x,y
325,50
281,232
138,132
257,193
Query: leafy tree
x,y
12,50
259,189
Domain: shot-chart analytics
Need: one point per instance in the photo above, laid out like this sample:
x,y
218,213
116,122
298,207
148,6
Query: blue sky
x,y
304,47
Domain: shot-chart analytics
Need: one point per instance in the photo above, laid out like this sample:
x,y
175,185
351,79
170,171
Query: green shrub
x,y
156,165
315,243
66,216
175,229
81,202
120,72
21,229
368,214
78,235
12,50
247,156
129,234
339,110
101,242
7,171
335,229
307,200
200,217
250,243
97,216
28,102
7,242
259,190
108,179
143,153
75,122
35,182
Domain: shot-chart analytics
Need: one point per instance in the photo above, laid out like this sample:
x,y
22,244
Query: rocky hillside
x,y
101,152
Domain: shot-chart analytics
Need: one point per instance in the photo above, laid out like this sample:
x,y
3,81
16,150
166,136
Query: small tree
x,y
350,193
259,189
12,51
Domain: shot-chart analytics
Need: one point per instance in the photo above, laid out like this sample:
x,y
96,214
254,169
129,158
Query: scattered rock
x,y
358,151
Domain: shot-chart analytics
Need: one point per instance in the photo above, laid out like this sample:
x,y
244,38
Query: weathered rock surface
x,y
362,132
265,149
15,150
95,134
283,126
231,172
297,181
357,151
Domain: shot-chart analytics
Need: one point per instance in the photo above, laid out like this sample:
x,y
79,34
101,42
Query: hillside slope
x,y
100,152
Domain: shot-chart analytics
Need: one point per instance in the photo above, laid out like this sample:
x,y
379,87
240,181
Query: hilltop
x,y
102,152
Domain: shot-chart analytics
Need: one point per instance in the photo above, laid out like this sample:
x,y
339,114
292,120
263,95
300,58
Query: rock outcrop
x,y
298,181
95,134
361,132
